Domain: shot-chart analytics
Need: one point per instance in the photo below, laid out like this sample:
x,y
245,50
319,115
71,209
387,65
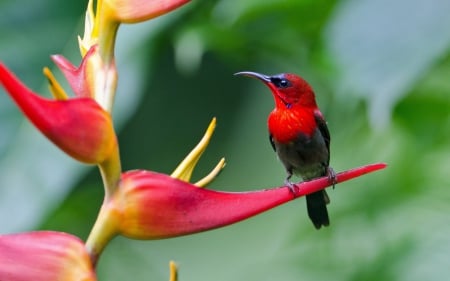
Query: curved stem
x,y
105,229
111,170
106,30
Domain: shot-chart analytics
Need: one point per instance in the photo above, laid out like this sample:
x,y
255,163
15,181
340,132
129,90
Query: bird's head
x,y
289,90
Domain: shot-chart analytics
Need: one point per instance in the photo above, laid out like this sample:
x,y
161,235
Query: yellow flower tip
x,y
212,175
173,271
84,46
211,126
88,39
186,167
55,88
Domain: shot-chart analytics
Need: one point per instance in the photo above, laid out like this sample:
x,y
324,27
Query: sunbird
x,y
299,135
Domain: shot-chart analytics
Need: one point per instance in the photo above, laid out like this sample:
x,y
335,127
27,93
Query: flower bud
x,y
128,11
149,205
78,126
44,256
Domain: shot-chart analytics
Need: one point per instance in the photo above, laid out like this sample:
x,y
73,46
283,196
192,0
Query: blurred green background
x,y
381,72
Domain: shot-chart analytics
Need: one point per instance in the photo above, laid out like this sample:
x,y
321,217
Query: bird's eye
x,y
284,83
281,82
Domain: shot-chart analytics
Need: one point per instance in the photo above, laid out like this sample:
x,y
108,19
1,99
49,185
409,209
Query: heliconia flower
x,y
79,126
44,256
150,205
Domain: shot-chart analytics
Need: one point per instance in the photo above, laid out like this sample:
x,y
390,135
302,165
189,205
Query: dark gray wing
x,y
323,129
272,143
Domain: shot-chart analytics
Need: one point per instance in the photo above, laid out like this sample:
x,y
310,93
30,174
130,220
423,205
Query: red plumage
x,y
285,125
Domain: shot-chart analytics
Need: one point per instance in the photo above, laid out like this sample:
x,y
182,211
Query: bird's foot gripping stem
x,y
292,187
331,174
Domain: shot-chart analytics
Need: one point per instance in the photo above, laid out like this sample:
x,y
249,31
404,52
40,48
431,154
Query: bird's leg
x,y
290,184
331,174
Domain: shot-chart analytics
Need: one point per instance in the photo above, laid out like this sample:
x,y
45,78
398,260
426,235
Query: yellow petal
x,y
173,271
212,175
185,168
88,39
55,88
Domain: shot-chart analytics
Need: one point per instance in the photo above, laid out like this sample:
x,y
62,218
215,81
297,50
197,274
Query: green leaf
x,y
383,47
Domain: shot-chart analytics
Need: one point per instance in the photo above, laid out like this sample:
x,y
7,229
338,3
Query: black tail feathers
x,y
317,208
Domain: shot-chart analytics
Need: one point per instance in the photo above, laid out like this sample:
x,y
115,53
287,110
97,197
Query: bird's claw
x,y
331,174
291,186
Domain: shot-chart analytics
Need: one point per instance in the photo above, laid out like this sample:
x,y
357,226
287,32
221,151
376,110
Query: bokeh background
x,y
381,72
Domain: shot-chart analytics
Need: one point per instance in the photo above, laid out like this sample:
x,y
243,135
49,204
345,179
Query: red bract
x,y
77,76
78,126
44,256
150,205
128,11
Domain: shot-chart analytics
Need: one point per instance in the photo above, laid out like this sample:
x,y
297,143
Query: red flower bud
x,y
150,205
44,256
79,126
128,11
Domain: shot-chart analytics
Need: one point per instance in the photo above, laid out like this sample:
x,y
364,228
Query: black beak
x,y
262,77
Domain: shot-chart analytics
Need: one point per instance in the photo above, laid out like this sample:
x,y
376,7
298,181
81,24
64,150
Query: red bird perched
x,y
300,137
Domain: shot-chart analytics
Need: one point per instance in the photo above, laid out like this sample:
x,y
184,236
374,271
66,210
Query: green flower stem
x,y
105,229
111,170
106,29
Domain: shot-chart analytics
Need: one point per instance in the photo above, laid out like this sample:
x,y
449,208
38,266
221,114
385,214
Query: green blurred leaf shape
x,y
383,47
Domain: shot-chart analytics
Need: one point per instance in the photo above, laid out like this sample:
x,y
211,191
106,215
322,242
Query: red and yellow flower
x,y
44,256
